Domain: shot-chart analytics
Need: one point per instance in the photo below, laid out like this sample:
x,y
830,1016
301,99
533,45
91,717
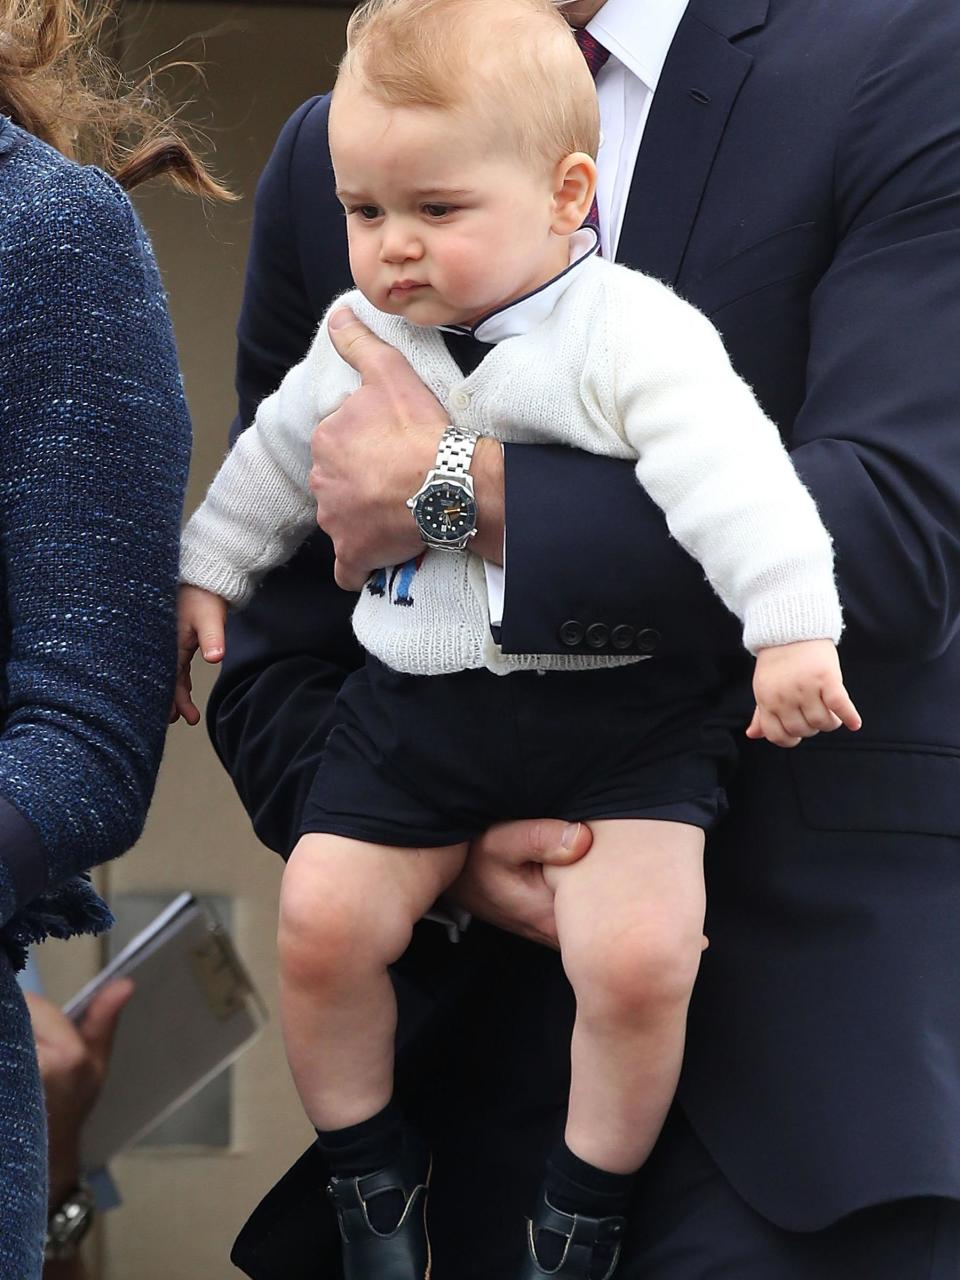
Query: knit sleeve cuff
x,y
23,861
215,575
788,619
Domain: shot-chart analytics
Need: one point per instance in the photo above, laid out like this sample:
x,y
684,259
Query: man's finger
x,y
347,577
546,840
99,1023
356,344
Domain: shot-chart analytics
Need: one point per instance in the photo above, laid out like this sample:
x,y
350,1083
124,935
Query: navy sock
x,y
573,1186
364,1148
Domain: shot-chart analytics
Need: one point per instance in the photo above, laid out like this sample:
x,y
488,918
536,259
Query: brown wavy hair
x,y
57,82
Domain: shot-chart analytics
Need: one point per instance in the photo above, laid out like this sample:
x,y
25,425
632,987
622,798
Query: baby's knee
x,y
645,970
333,921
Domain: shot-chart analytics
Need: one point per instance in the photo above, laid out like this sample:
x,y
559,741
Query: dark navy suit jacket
x,y
799,181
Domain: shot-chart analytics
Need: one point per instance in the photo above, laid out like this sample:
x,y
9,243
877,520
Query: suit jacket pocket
x,y
891,789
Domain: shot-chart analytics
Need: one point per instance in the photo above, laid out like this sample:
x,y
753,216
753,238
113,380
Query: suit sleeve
x,y
289,651
877,439
876,442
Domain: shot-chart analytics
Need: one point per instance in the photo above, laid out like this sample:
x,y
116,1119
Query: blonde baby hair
x,y
514,63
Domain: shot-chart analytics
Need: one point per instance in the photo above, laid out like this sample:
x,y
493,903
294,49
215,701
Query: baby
x,y
463,135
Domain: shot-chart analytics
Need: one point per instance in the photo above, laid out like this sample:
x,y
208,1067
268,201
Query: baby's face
x,y
441,228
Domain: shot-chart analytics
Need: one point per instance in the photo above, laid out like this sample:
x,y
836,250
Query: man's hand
x,y
73,1065
201,624
502,882
374,452
800,692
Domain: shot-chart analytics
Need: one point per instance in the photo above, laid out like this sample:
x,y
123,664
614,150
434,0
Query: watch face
x,y
445,512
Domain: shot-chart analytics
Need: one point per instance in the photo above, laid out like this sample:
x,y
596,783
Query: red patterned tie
x,y
595,55
591,48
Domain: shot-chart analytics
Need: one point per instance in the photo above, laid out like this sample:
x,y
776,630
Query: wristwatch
x,y
444,507
68,1224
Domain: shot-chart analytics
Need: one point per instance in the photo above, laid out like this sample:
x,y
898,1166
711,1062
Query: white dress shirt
x,y
638,34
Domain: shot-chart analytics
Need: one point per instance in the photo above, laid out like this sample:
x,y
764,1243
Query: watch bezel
x,y
434,479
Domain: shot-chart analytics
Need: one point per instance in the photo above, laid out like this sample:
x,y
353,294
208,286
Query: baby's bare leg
x,y
630,923
347,911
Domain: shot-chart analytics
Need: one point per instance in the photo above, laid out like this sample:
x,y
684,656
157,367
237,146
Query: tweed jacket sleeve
x,y
94,447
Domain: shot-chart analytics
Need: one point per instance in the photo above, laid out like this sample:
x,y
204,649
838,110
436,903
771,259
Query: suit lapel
x,y
683,132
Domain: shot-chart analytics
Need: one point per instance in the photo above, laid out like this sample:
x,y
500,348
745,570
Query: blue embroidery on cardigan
x,y
401,579
377,582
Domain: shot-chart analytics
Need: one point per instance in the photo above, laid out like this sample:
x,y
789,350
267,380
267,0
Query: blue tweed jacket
x,y
94,447
94,453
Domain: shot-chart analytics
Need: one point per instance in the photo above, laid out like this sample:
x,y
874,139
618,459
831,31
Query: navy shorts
x,y
435,760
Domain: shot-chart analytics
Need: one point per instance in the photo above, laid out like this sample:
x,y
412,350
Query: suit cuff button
x,y
622,637
598,635
571,633
647,639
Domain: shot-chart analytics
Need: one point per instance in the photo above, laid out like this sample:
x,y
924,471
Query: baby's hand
x,y
799,692
200,625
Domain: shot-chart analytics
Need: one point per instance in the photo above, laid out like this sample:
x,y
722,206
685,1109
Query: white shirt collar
x,y
527,312
639,35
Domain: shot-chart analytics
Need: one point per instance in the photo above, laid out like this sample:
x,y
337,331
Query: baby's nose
x,y
399,244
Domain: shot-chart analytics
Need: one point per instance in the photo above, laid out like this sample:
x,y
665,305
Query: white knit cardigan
x,y
621,367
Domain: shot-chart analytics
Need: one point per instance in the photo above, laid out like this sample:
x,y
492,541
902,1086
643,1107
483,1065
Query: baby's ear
x,y
575,183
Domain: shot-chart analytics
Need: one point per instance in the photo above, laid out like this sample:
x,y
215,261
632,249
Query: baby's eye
x,y
367,212
438,210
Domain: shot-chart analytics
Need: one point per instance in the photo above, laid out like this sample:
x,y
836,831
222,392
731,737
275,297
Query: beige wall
x,y
182,1209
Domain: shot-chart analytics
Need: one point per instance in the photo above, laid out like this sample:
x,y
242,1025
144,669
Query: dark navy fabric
x,y
799,181
688,1223
436,760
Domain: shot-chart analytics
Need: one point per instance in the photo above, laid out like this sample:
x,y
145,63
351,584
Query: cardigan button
x,y
598,635
622,637
571,633
461,400
648,639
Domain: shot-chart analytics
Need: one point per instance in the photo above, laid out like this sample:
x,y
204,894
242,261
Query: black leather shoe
x,y
401,1254
591,1248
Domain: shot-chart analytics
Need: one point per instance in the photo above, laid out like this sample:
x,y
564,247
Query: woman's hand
x,y
502,882
73,1066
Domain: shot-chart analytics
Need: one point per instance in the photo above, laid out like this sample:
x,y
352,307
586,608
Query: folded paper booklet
x,y
194,1010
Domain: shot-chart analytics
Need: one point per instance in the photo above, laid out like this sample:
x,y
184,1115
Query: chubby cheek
x,y
469,273
363,265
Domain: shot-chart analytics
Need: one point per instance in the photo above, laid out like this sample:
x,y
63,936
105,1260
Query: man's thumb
x,y
354,342
556,843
